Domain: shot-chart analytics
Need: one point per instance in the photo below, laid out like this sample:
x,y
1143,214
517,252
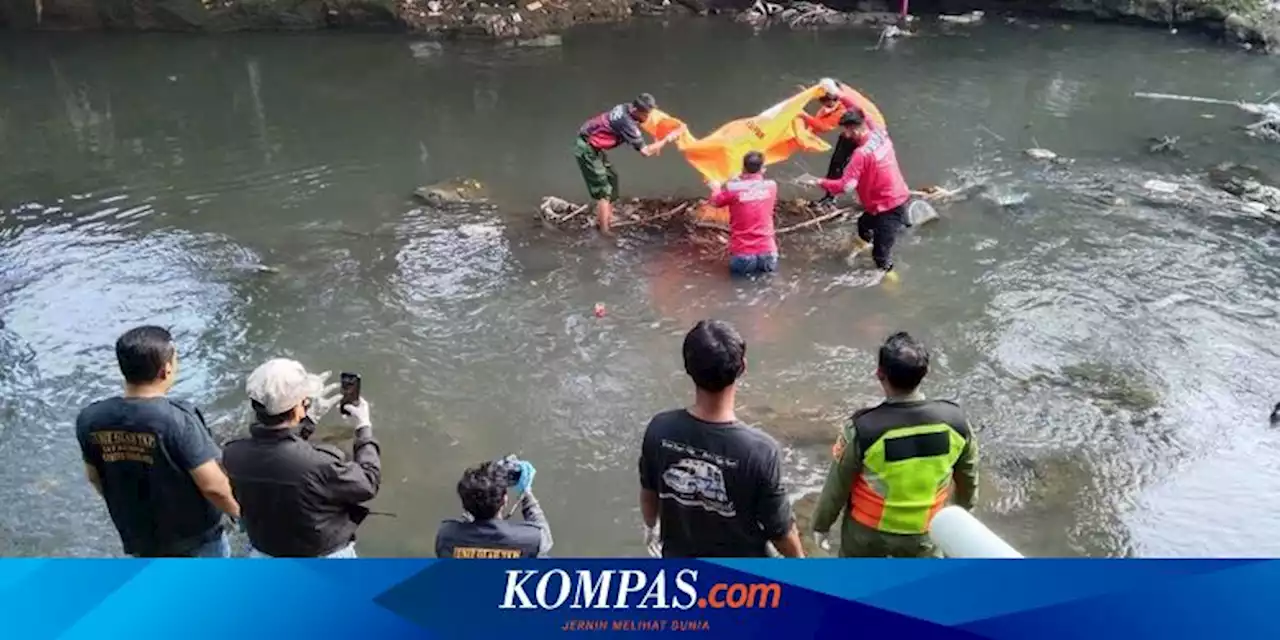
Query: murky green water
x,y
1118,350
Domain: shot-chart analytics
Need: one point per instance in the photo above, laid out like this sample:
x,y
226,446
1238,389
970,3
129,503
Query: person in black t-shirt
x,y
154,460
713,484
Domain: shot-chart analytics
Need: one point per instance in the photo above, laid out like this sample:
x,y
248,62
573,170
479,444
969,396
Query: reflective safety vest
x,y
909,450
493,539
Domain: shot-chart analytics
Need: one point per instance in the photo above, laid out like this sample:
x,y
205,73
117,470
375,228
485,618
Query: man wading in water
x,y
611,129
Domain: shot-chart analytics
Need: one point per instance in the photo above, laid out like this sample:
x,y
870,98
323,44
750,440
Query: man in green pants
x,y
896,464
613,128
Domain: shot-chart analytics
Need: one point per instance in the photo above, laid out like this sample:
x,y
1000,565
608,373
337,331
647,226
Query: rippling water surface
x,y
1117,348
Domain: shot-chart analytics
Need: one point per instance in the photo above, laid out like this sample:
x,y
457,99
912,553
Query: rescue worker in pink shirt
x,y
750,198
874,175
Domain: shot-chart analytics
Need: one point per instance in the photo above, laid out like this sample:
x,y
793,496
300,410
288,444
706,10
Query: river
x,y
1117,350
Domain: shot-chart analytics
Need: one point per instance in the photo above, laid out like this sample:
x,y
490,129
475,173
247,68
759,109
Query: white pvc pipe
x,y
960,535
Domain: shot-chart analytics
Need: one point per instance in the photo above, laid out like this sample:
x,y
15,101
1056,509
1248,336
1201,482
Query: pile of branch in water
x,y
1266,128
801,14
659,214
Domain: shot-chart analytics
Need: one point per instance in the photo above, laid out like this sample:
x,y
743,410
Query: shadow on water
x,y
252,193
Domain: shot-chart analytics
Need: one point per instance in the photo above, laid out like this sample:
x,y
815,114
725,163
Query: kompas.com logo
x,y
631,589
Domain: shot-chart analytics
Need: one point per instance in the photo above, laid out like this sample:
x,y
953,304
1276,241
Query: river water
x,y
1117,349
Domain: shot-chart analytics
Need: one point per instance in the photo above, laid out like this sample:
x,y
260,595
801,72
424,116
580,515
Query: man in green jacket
x,y
896,463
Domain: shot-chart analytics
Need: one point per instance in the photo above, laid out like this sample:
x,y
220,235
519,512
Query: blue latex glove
x,y
526,477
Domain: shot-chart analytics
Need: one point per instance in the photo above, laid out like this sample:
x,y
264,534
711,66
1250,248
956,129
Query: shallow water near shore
x,y
1116,348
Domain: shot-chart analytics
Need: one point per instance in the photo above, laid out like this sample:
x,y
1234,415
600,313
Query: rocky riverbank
x,y
1253,23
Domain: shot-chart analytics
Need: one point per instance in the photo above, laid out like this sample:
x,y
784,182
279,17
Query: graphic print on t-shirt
x,y
124,446
697,481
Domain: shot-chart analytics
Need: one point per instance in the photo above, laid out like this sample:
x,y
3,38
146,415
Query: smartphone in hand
x,y
350,384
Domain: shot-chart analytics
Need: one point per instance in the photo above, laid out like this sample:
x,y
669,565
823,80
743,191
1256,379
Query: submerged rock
x,y
453,191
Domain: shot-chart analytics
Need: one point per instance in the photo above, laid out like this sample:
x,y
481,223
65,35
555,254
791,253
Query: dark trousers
x,y
840,157
881,230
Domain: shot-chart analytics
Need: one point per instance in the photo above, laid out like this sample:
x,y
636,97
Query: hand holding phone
x,y
350,384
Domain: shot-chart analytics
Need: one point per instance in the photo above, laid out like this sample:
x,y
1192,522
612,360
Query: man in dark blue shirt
x,y
154,460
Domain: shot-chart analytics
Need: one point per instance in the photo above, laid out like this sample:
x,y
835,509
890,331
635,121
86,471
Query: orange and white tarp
x,y
778,132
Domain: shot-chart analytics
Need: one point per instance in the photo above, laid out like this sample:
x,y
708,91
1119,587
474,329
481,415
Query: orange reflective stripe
x,y
865,505
939,501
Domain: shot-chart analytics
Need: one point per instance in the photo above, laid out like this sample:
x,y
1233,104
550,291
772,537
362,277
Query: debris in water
x,y
972,17
1267,128
1247,183
1040,154
424,50
549,40
1160,186
599,310
1164,144
791,215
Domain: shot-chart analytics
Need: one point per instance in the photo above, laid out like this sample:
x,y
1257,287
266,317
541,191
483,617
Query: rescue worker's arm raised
x,y
532,513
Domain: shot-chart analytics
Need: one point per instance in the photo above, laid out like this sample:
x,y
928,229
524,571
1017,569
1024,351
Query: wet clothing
x,y
498,538
601,179
750,198
144,450
611,129
872,173
882,230
895,467
754,264
719,486
298,499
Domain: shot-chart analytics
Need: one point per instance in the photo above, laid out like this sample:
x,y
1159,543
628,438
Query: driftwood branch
x,y
816,221
655,219
1170,96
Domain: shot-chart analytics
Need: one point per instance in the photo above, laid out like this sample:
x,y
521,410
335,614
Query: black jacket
x,y
299,499
497,538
